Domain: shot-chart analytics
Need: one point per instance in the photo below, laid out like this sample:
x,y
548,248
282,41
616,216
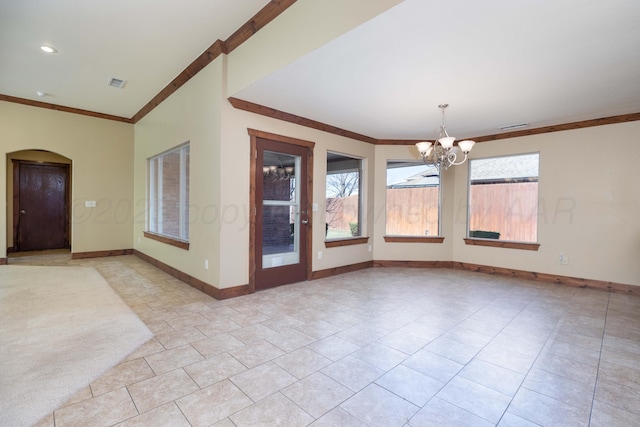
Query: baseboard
x,y
551,278
236,291
196,283
100,254
320,274
413,264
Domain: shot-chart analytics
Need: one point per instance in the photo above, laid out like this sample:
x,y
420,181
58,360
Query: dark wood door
x,y
41,206
282,217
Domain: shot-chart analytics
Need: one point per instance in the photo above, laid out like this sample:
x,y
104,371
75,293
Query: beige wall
x,y
235,233
193,115
219,182
589,205
200,112
101,152
589,208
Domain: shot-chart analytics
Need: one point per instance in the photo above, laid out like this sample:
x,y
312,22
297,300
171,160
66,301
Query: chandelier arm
x,y
453,163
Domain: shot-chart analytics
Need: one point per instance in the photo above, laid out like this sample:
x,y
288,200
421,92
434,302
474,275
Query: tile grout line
x,y
473,358
532,363
595,385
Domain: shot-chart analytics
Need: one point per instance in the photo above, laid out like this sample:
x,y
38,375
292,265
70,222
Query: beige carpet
x,y
60,329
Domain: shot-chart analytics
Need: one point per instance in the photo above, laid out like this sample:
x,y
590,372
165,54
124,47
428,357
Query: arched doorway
x,y
38,208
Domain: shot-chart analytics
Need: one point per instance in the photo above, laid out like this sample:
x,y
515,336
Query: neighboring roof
x,y
417,181
519,167
427,177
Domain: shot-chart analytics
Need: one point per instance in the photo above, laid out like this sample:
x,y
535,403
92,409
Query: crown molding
x,y
292,118
49,106
302,121
267,14
215,50
561,127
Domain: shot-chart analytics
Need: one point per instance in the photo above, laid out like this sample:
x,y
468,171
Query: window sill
x,y
345,242
502,244
413,239
167,240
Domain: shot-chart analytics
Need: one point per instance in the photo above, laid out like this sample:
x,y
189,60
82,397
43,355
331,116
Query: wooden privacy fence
x,y
412,211
509,209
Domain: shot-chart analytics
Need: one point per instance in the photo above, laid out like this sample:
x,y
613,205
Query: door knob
x,y
22,212
305,221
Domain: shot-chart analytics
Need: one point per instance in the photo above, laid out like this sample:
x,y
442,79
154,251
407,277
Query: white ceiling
x,y
146,42
496,62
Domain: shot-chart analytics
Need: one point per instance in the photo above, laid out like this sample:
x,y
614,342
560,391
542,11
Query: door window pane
x,y
280,210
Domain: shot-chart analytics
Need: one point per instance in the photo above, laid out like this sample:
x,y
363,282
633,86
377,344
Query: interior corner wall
x,y
101,152
235,201
589,204
191,114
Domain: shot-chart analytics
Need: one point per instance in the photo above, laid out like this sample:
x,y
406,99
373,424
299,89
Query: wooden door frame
x,y
16,198
255,134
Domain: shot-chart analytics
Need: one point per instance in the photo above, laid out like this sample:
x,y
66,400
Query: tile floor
x,y
379,347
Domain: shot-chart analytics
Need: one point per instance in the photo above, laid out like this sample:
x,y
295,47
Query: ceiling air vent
x,y
119,83
515,126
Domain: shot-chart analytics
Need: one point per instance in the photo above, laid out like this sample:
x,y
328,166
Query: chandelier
x,y
441,153
277,173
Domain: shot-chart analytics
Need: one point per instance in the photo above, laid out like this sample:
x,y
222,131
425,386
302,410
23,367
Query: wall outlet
x,y
138,240
89,203
206,264
319,254
370,248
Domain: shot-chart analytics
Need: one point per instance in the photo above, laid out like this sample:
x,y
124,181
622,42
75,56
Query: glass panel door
x,y
281,225
280,209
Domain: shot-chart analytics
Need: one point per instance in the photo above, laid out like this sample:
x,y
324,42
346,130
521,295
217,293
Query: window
x,y
413,199
344,197
503,198
168,202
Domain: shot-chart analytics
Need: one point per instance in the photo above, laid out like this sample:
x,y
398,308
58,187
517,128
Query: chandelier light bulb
x,y
48,49
466,145
447,142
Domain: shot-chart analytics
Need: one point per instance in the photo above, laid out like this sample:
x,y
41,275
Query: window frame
x,y
509,244
360,238
413,238
154,199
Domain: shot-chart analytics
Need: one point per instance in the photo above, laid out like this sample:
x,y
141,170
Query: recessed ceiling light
x,y
41,93
48,49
